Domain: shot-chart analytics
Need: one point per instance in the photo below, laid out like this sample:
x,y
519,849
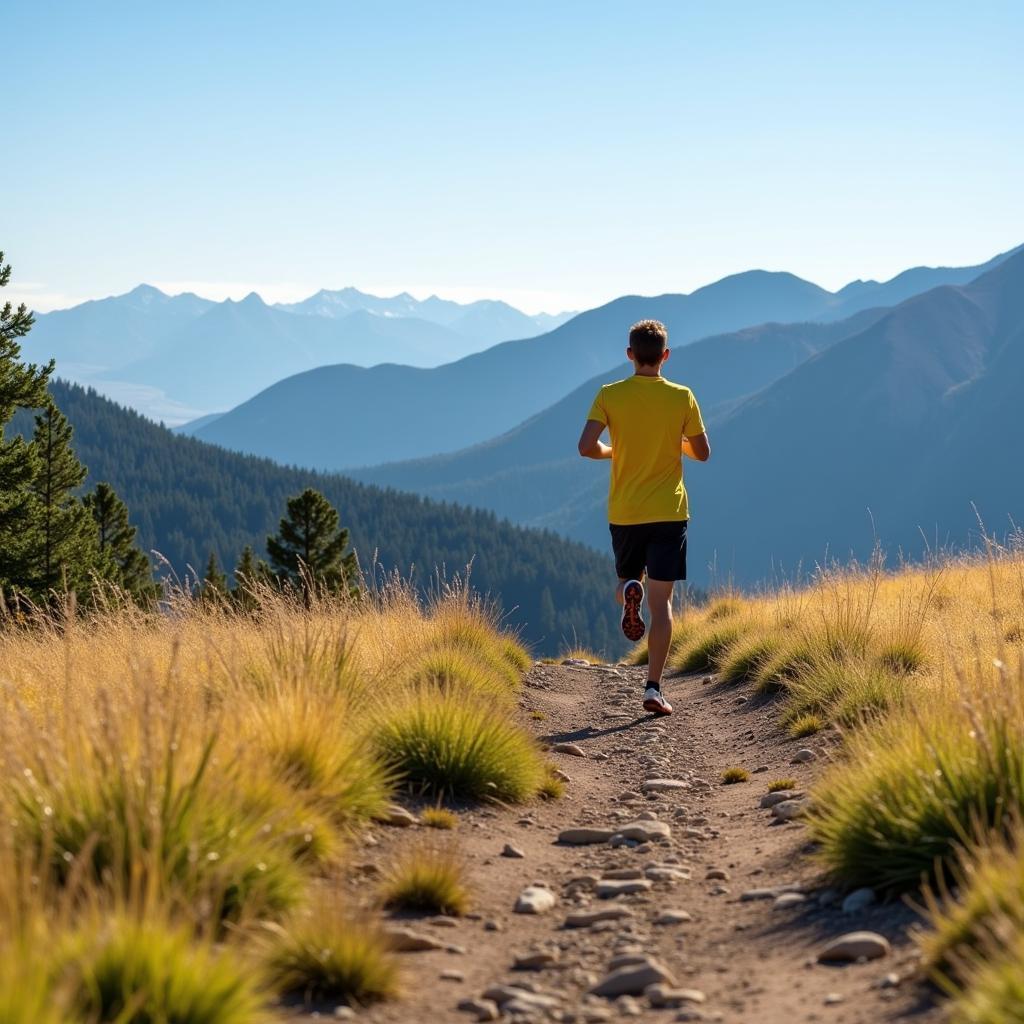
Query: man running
x,y
652,422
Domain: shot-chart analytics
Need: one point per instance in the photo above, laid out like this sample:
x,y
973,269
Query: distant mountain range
x,y
894,424
346,416
189,499
177,357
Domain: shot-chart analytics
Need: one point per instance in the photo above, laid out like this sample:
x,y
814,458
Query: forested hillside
x,y
189,498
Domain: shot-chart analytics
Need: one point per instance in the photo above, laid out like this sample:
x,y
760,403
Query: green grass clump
x,y
903,656
449,670
915,783
777,671
581,654
427,879
146,971
742,661
552,788
992,990
806,724
471,632
325,955
777,785
538,716
723,607
439,817
706,646
515,653
733,775
450,746
989,892
847,693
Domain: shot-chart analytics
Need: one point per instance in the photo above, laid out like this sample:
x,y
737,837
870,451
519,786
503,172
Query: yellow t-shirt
x,y
647,419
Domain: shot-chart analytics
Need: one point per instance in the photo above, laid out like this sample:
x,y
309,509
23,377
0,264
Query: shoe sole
x,y
632,621
657,707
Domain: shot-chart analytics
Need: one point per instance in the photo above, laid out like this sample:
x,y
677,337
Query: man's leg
x,y
659,605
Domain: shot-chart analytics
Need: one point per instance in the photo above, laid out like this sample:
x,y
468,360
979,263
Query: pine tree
x,y
21,386
214,586
118,557
249,572
63,552
309,549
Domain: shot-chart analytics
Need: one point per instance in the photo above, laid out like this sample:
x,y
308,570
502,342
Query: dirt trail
x,y
754,961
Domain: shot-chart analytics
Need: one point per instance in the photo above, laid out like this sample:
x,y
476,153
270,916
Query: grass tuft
x,y
777,785
449,746
427,879
581,654
439,817
806,724
705,647
733,775
325,955
742,661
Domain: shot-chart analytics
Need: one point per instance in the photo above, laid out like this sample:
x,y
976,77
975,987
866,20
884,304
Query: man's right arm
x,y
591,446
697,447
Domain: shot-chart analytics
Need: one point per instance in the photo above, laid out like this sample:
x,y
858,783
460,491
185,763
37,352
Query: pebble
x,y
771,799
482,1009
405,940
398,816
758,894
642,831
622,873
586,918
450,975
569,748
803,756
534,899
717,875
632,979
858,900
787,810
659,874
788,899
668,917
611,888
660,995
584,836
557,773
508,850
855,945
663,785
834,998
535,960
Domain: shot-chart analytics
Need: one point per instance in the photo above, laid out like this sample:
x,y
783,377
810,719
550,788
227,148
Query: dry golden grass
x,y
209,766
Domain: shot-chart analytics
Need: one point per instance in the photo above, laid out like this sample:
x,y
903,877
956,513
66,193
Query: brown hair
x,y
648,339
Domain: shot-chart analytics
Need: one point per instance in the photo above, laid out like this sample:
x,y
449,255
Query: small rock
x,y
586,918
663,785
669,917
858,900
788,899
834,998
717,875
719,890
642,831
534,899
535,960
787,810
660,995
443,922
610,888
584,836
632,979
482,1009
344,1013
771,799
450,975
855,945
803,756
891,980
569,748
622,873
557,773
398,816
512,851
758,894
493,926
405,940
657,874
761,768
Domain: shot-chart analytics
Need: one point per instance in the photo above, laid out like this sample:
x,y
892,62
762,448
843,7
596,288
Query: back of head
x,y
648,340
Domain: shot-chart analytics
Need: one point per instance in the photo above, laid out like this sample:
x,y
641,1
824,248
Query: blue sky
x,y
555,154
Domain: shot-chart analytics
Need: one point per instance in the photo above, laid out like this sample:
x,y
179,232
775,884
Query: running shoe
x,y
654,700
632,621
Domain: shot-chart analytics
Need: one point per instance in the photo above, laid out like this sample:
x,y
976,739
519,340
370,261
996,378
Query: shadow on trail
x,y
589,732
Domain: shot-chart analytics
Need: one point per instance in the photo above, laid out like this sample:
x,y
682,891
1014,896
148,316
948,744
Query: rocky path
x,y
658,891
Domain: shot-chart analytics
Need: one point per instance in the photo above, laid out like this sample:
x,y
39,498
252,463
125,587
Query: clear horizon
x,y
552,158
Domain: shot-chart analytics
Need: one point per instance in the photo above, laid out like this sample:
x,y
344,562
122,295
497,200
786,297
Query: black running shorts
x,y
657,548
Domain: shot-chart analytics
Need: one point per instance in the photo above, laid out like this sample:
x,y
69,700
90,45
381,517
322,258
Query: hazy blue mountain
x,y
106,333
189,428
342,416
484,322
533,471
